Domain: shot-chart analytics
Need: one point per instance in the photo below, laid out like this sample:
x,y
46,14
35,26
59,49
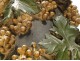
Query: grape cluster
x,y
7,40
47,8
28,52
2,6
72,14
21,24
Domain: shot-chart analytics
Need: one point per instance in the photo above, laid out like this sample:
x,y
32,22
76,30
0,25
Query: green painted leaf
x,y
32,5
62,47
63,54
28,6
14,9
77,55
7,14
50,44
